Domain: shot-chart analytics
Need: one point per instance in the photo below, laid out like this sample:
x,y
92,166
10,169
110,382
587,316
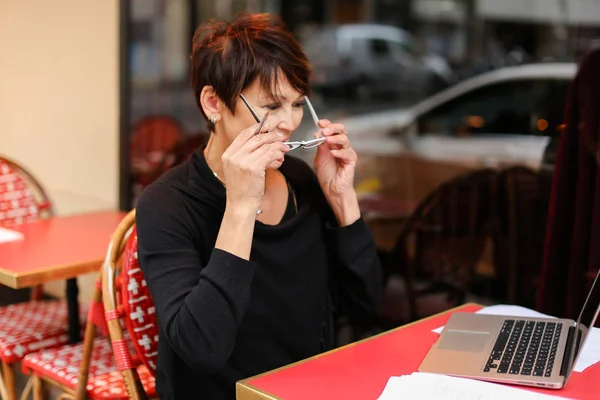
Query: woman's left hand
x,y
335,164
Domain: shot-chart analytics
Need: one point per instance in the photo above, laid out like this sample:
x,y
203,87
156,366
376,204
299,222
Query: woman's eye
x,y
272,107
299,105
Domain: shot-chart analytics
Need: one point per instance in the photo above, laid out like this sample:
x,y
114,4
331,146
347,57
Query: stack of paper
x,y
7,235
424,386
590,354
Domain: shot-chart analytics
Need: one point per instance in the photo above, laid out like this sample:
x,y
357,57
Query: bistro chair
x,y
32,325
439,246
154,141
189,145
132,306
522,206
22,197
89,369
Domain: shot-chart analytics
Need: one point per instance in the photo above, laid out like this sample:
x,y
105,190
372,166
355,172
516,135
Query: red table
x,y
361,370
58,248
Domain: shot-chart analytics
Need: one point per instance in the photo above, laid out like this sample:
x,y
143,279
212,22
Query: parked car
x,y
362,61
500,118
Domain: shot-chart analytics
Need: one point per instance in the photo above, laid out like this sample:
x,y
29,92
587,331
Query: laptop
x,y
524,351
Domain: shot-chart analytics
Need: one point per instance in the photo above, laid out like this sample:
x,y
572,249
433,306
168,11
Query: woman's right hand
x,y
245,163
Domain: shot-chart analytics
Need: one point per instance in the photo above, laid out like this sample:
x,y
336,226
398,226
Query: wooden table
x,y
58,248
361,370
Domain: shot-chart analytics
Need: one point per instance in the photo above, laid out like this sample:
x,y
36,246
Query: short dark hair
x,y
231,56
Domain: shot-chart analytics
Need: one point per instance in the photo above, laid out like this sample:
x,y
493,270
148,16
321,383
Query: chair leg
x,y
8,376
3,393
27,389
38,388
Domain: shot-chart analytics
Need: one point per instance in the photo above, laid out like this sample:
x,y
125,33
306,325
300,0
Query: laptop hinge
x,y
567,358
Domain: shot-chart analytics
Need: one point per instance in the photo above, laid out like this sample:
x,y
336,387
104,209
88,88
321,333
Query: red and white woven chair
x,y
133,306
22,198
89,370
34,325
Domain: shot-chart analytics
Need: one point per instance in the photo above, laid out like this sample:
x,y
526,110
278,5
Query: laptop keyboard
x,y
525,348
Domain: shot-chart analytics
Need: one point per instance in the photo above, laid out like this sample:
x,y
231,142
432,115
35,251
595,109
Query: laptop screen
x,y
587,318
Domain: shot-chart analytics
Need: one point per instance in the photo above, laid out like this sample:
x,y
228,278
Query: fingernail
x,y
281,135
326,131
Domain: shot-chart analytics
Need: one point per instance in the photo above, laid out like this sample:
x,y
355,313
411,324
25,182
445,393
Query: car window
x,y
401,55
551,108
379,47
516,107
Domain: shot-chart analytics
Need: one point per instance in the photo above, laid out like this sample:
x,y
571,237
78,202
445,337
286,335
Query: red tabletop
x,y
57,248
361,370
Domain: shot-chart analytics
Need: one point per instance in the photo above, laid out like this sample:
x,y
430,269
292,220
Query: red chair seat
x,y
32,326
105,381
112,386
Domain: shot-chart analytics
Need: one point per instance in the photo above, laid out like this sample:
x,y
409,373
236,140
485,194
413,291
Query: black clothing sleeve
x,y
356,269
200,307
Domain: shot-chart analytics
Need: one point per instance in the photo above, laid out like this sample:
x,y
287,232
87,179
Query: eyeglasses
x,y
303,144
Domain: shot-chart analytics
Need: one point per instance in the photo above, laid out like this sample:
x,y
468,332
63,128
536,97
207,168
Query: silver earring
x,y
213,119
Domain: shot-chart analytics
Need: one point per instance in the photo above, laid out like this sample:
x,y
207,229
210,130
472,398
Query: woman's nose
x,y
286,121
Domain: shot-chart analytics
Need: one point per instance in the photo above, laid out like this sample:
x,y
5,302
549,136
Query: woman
x,y
248,252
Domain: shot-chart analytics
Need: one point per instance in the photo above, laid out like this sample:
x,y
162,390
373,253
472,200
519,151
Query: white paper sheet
x,y
590,354
7,235
425,386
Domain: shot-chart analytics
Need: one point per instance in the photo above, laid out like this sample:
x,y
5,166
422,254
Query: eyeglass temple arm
x,y
250,108
312,112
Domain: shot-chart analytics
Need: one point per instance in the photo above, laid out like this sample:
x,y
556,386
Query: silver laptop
x,y
516,350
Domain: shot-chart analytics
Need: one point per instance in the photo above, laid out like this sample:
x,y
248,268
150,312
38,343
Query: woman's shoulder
x,y
164,191
160,206
176,198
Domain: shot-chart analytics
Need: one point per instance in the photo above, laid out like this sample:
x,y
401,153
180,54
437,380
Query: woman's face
x,y
285,112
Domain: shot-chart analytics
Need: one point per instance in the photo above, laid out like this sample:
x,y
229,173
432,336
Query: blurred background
x,y
454,106
504,69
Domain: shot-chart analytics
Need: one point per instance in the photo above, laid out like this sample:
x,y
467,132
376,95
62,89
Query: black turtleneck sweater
x,y
222,318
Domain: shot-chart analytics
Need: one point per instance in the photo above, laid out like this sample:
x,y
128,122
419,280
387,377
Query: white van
x,y
364,60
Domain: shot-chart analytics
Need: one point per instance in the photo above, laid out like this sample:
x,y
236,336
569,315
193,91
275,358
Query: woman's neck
x,y
212,153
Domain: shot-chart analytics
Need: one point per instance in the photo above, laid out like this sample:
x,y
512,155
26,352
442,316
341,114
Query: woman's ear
x,y
211,104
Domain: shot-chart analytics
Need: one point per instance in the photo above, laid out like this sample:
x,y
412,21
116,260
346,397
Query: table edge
x,y
8,278
40,276
251,392
58,272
